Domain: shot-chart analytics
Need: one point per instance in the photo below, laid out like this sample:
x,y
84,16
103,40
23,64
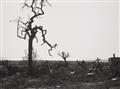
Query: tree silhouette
x,y
64,55
27,30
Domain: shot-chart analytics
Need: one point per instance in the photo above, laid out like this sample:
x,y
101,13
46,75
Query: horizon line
x,y
103,60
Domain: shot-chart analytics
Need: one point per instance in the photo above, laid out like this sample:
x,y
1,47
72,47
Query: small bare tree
x,y
28,30
64,55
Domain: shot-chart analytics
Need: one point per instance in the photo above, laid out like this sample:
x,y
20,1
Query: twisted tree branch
x,y
28,29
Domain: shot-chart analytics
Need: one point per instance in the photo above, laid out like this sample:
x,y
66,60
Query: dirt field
x,y
55,75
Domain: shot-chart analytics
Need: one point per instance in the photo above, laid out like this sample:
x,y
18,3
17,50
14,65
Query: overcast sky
x,y
86,29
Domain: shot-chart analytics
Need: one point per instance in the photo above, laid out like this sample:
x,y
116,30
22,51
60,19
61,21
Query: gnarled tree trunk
x,y
30,49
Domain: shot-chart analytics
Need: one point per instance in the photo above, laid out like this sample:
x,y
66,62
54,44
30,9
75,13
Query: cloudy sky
x,y
87,29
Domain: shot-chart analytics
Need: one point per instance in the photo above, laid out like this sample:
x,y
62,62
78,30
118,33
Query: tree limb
x,y
64,55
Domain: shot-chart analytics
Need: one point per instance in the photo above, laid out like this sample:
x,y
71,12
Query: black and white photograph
x,y
59,44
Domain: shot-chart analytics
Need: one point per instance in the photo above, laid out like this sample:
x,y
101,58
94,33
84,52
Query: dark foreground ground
x,y
58,75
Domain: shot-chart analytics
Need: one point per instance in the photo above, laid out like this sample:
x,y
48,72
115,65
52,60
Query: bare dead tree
x,y
64,55
27,30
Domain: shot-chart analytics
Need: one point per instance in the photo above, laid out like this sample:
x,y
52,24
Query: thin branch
x,y
44,32
36,39
64,55
24,29
25,5
43,1
18,30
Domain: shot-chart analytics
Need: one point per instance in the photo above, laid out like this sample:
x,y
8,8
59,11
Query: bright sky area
x,y
85,29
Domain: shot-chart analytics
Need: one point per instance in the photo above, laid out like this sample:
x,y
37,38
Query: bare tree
x,y
64,55
27,30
